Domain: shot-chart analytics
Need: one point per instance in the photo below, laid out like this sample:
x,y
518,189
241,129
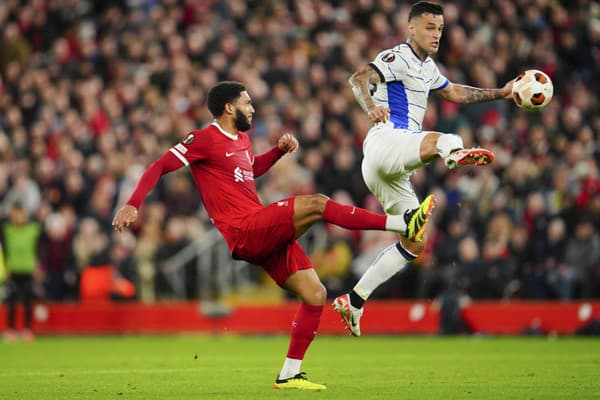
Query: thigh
x,y
393,152
265,232
395,195
22,285
283,263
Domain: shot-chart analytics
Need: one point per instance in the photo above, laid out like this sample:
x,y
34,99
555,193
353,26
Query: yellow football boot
x,y
300,382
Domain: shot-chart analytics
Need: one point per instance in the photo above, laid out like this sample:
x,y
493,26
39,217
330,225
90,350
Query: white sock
x,y
447,143
386,265
395,223
291,367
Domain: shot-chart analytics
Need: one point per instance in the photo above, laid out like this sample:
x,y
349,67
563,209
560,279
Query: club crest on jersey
x,y
241,175
189,139
388,57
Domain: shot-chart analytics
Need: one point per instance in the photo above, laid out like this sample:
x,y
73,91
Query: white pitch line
x,y
99,372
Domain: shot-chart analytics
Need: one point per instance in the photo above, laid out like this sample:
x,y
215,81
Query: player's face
x,y
243,112
426,32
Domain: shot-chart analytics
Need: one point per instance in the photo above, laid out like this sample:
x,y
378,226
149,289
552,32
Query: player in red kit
x,y
223,166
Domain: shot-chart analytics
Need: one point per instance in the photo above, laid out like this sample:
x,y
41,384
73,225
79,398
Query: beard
x,y
241,122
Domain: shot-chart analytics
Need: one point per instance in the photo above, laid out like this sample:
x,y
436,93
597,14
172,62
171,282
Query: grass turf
x,y
231,367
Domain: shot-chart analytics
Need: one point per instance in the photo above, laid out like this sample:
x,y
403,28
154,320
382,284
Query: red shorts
x,y
267,238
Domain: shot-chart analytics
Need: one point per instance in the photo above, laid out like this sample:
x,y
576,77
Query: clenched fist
x,y
288,143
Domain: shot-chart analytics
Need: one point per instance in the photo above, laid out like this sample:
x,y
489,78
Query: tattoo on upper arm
x,y
373,76
361,82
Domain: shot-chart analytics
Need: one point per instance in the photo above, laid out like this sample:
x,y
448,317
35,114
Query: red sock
x,y
304,328
351,217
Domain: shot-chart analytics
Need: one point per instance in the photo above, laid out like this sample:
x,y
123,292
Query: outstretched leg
x,y
309,209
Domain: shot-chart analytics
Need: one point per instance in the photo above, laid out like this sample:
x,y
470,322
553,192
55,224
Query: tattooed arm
x,y
463,94
361,82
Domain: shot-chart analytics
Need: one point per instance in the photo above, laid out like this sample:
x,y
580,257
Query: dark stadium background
x,y
92,91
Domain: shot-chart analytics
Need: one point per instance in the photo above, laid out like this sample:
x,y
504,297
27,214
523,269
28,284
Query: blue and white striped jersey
x,y
407,83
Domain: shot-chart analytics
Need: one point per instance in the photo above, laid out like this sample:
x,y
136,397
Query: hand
x,y
124,217
507,89
379,114
288,143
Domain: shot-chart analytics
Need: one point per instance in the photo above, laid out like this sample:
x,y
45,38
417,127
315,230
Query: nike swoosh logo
x,y
229,154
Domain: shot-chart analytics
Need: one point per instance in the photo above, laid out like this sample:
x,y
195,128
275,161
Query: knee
x,y
317,202
316,295
415,248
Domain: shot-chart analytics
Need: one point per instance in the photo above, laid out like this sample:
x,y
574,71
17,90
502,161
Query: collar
x,y
224,132
415,54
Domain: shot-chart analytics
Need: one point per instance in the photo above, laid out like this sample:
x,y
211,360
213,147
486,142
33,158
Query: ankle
x,y
395,223
355,300
447,144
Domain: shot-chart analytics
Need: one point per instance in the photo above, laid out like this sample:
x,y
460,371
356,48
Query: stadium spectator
x,y
122,257
176,238
582,254
57,259
20,237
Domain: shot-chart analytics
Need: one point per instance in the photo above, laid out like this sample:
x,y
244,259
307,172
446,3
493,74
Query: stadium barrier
x,y
381,317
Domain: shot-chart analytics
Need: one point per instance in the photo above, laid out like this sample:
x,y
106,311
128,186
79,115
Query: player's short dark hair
x,y
425,7
221,94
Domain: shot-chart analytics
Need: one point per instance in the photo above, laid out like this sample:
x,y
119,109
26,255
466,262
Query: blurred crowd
x,y
91,92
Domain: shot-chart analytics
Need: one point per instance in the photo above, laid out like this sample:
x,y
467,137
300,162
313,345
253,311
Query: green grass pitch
x,y
232,367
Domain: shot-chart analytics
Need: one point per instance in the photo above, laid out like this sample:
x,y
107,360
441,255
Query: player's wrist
x,y
279,150
131,204
503,92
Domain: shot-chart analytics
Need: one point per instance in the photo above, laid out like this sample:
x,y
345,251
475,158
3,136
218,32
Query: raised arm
x,y
128,213
463,94
361,82
265,161
286,144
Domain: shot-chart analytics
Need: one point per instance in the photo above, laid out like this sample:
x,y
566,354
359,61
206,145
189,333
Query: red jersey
x,y
223,168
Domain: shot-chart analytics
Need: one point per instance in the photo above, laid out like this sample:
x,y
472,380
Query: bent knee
x,y
414,248
316,295
316,202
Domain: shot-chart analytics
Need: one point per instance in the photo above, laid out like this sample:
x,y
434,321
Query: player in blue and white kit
x,y
393,89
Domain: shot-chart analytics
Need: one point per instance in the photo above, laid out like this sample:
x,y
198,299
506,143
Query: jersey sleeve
x,y
194,147
265,161
439,81
390,65
165,164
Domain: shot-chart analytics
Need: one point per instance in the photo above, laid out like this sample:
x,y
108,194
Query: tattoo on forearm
x,y
363,98
476,95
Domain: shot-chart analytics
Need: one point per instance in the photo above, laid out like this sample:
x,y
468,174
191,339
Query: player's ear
x,y
229,108
411,26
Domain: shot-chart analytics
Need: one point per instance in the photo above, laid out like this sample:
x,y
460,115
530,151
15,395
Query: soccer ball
x,y
532,90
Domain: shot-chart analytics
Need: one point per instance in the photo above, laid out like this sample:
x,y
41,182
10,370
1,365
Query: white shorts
x,y
390,156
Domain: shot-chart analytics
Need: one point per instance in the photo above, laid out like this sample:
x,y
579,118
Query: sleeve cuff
x,y
381,77
443,85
